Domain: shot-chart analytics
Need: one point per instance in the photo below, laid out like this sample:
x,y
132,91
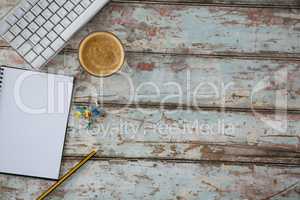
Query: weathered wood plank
x,y
199,29
184,134
206,82
206,30
11,3
156,180
230,2
252,141
249,3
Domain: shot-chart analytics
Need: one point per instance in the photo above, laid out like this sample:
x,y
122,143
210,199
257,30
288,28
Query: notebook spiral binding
x,y
1,76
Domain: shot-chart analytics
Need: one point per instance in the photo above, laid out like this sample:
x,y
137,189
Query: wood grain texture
x,y
180,150
177,29
184,134
252,139
183,29
184,80
246,3
161,180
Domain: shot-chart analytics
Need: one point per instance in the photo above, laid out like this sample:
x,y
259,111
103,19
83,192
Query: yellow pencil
x,y
67,175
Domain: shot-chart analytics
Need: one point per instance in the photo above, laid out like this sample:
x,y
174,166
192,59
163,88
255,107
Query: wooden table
x,y
232,61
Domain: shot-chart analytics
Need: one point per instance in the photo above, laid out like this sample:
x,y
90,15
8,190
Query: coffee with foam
x,y
101,54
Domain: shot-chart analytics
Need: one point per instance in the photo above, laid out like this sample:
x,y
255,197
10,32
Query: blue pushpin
x,y
96,112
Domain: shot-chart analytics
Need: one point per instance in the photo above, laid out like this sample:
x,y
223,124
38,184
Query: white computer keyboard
x,y
39,29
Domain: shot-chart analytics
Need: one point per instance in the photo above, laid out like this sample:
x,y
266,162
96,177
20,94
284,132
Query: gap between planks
x,y
249,56
212,3
85,100
169,106
291,4
227,55
177,160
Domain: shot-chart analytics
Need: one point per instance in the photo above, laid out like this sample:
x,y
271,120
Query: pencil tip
x,y
95,150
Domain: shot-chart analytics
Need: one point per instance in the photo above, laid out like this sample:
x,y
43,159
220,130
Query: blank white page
x,y
34,109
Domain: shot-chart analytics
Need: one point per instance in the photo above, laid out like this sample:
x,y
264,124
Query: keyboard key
x,y
61,2
85,3
26,34
25,48
25,5
35,39
53,7
59,28
55,19
17,42
4,27
19,13
43,4
47,14
22,23
52,36
69,6
72,16
29,17
57,44
8,36
45,42
62,12
36,10
65,22
41,32
79,9
38,62
30,56
40,20
48,26
38,49
48,53
33,27
15,30
11,19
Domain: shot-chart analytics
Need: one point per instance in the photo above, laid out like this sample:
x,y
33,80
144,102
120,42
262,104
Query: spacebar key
x,y
85,17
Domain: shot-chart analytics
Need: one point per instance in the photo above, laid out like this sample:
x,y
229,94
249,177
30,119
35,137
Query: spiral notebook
x,y
34,109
